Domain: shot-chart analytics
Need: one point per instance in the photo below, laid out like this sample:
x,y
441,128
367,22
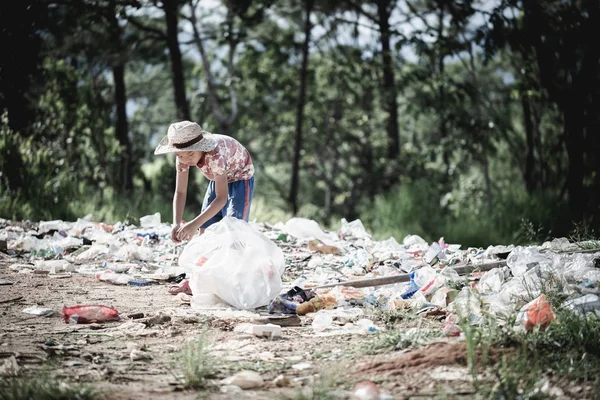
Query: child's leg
x,y
240,199
210,196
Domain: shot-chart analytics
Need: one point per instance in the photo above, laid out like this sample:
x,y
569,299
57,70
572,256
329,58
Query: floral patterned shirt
x,y
228,158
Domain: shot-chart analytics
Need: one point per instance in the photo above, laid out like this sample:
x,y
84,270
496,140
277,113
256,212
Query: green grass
x,y
568,349
398,336
45,387
401,340
196,363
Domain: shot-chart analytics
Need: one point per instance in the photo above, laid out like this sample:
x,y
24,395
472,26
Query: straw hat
x,y
186,136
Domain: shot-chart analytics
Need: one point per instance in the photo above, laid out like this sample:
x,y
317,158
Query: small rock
x,y
244,380
4,282
9,367
281,381
302,366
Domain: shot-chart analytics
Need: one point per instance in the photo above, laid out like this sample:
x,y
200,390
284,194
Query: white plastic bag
x,y
234,262
307,229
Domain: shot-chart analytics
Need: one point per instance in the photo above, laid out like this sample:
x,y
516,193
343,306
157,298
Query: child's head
x,y
188,140
190,157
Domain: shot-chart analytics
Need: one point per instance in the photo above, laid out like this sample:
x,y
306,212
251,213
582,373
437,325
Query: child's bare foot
x,y
183,287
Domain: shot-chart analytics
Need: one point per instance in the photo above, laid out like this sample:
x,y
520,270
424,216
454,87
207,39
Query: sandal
x,y
184,287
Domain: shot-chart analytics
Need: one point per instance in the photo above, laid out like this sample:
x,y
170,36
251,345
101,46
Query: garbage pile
x,y
296,268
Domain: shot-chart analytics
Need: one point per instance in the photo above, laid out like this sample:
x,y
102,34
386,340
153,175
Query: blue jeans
x,y
239,200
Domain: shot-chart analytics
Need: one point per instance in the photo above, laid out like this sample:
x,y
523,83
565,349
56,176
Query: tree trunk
x,y
442,95
171,9
389,87
573,120
225,121
529,173
300,110
122,128
537,135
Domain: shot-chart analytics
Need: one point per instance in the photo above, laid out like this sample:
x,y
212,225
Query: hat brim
x,y
208,143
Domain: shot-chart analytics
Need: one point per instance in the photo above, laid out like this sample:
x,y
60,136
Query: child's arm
x,y
179,200
189,230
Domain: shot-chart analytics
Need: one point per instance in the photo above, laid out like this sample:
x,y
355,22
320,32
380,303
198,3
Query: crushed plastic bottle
x,y
85,314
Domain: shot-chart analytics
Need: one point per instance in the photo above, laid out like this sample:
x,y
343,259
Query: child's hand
x,y
187,231
174,233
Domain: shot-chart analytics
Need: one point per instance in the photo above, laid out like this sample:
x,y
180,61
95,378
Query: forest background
x,y
475,120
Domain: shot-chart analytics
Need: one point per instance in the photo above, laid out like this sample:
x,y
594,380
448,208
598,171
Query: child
x,y
227,165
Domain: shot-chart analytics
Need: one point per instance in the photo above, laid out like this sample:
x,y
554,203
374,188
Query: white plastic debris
x,y
354,229
40,311
150,221
54,266
269,330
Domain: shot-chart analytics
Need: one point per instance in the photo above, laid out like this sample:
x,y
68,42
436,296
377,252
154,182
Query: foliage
x,y
484,157
196,363
45,387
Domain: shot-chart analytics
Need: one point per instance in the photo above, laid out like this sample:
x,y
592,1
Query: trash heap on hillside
x,y
279,268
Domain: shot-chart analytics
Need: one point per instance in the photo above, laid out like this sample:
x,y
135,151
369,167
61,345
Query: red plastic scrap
x,y
539,312
85,314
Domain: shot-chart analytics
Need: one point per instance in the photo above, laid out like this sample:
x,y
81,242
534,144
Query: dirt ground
x,y
100,354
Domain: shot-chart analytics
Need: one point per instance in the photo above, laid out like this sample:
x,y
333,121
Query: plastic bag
x,y
466,304
236,263
150,221
354,229
302,228
491,282
521,259
536,313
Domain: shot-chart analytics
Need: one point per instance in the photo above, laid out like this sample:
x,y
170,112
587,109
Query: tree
x,y
171,9
559,33
308,4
